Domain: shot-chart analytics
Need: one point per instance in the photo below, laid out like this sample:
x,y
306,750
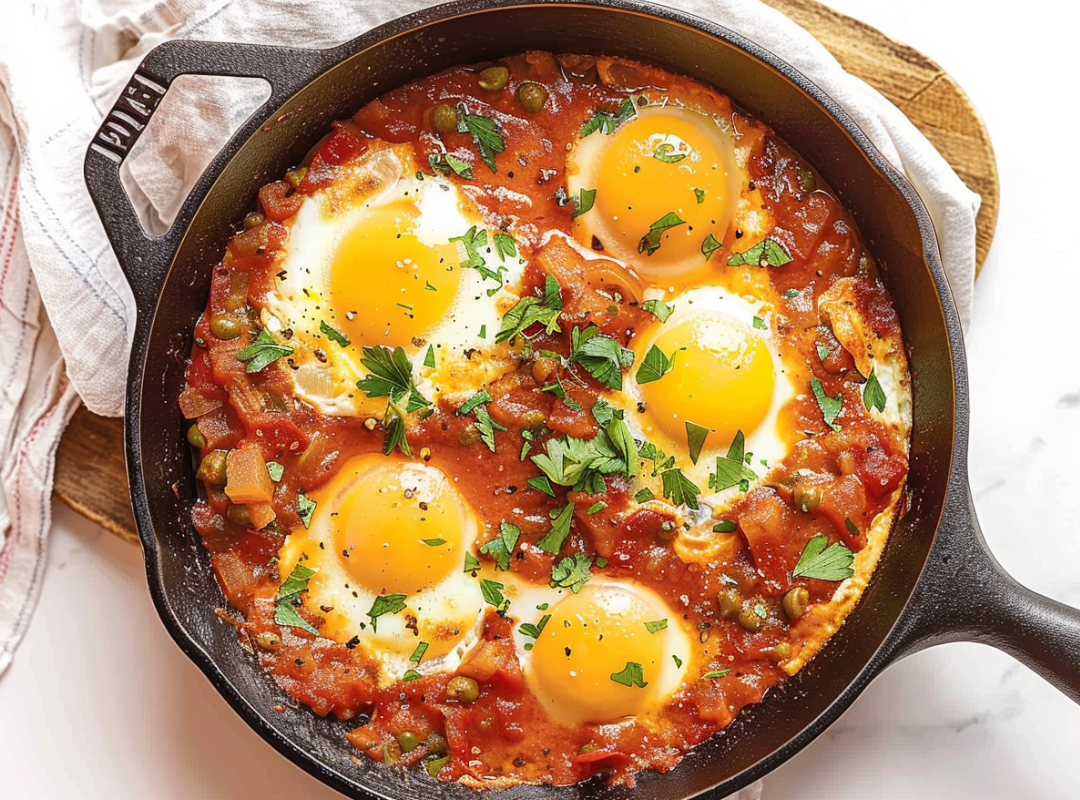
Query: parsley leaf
x,y
534,631
487,427
530,310
717,673
296,583
447,162
600,355
571,572
630,675
583,202
305,507
710,246
657,626
695,439
395,434
411,675
660,460
333,334
541,484
852,528
390,375
830,406
759,323
492,592
436,542
597,507
583,463
678,661
418,654
385,604
606,121
554,539
654,366
679,489
505,246
725,526
644,495
477,399
276,470
666,153
658,308
824,563
471,563
501,548
822,351
766,253
263,352
472,240
485,134
429,357
700,195
873,395
730,470
603,412
650,242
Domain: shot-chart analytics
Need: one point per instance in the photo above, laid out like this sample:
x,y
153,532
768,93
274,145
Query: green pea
x,y
462,689
794,602
268,640
224,327
494,78
407,741
532,97
807,496
469,435
749,619
781,651
730,602
807,181
212,468
195,437
444,118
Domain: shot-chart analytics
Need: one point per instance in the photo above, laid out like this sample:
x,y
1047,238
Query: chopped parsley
x,y
554,539
677,660
700,195
505,247
766,253
600,355
830,406
644,495
530,310
477,399
333,334
759,323
437,542
276,470
429,357
656,626
390,375
395,435
852,528
533,631
822,351
873,395
385,604
583,202
654,366
583,463
501,548
597,507
679,489
472,563
411,675
832,563
695,439
263,352
541,484
717,673
709,246
448,162
630,675
725,526
571,572
418,654
285,612
492,592
658,308
666,153
660,460
305,507
730,469
485,134
606,121
487,427
650,242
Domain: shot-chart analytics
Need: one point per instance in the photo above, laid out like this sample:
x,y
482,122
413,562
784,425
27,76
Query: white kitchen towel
x,y
66,312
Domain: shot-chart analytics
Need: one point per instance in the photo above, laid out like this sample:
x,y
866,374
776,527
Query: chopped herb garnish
x,y
730,469
759,323
571,572
677,660
305,507
505,247
492,592
295,583
679,489
472,563
554,539
830,406
435,765
710,246
644,495
606,122
700,195
695,439
411,675
658,308
541,484
650,242
654,366
501,548
477,399
263,352
276,470
790,293
597,507
529,311
434,542
418,654
600,355
472,240
390,375
448,162
333,334
766,253
630,675
286,614
725,526
487,427
717,673
822,351
852,528
603,412
666,153
429,357
583,463
657,626
823,563
534,631
760,611
583,202
485,134
873,395
385,604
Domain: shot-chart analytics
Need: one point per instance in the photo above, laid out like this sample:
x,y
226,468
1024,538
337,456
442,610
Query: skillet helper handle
x,y
966,595
145,259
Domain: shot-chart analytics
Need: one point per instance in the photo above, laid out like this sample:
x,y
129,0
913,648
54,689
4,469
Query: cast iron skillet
x,y
936,582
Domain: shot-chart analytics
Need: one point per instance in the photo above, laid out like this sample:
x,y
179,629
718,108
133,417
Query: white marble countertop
x,y
108,707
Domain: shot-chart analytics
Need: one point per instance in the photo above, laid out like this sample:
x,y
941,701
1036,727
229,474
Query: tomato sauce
x,y
833,481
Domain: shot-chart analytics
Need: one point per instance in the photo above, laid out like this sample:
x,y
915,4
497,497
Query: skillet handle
x,y
966,595
145,259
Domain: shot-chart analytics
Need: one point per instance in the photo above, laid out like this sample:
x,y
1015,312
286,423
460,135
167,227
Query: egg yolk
x,y
399,526
663,161
723,378
386,284
583,663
